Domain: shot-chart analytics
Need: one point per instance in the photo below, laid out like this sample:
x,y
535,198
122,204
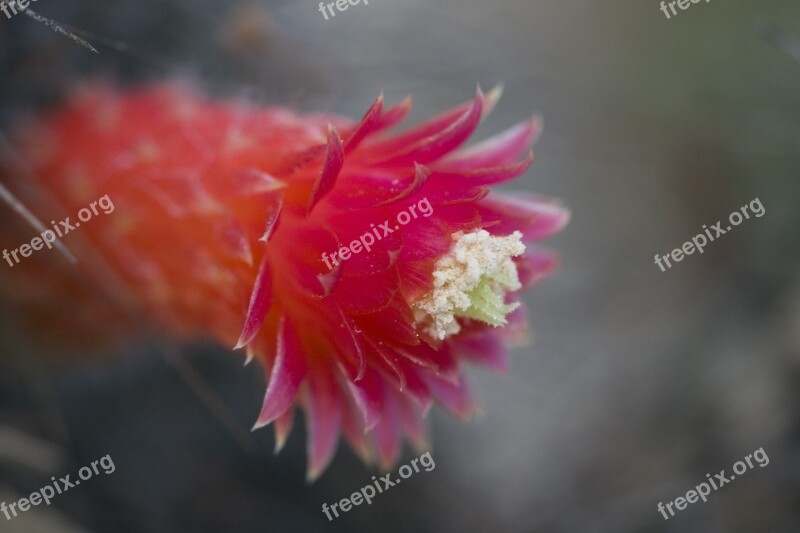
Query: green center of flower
x,y
471,281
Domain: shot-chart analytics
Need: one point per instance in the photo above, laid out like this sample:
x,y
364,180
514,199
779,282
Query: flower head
x,y
360,268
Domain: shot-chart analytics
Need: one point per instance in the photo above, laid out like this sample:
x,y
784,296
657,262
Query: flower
x,y
223,211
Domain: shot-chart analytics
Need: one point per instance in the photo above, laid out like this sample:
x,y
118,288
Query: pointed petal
x,y
260,301
368,124
387,432
500,150
430,148
454,396
413,424
283,428
368,396
535,264
334,159
537,218
324,418
477,176
288,372
272,219
486,350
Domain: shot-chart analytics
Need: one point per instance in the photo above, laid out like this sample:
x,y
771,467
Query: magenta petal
x,y
431,148
480,176
365,189
334,159
485,350
394,115
501,150
368,124
288,372
454,396
323,418
534,265
421,174
387,432
428,129
364,295
353,428
415,387
260,301
347,340
368,395
283,427
535,217
413,424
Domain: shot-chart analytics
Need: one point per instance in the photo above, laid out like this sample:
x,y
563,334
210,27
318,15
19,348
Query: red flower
x,y
254,225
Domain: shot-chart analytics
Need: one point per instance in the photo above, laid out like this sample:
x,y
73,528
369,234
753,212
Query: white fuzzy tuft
x,y
474,258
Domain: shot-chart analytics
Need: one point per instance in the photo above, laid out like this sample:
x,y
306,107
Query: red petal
x,y
367,294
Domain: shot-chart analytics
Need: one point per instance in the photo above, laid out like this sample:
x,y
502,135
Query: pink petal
x,y
387,432
368,124
334,160
477,176
428,129
534,265
486,350
421,174
454,396
535,217
346,339
368,396
431,147
323,418
500,150
288,372
395,114
260,301
283,428
413,425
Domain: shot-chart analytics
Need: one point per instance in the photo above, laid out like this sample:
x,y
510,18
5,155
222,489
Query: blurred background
x,y
638,381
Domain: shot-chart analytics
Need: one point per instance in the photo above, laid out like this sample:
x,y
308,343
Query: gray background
x,y
638,382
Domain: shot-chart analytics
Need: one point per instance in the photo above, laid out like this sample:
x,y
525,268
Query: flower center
x,y
471,281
